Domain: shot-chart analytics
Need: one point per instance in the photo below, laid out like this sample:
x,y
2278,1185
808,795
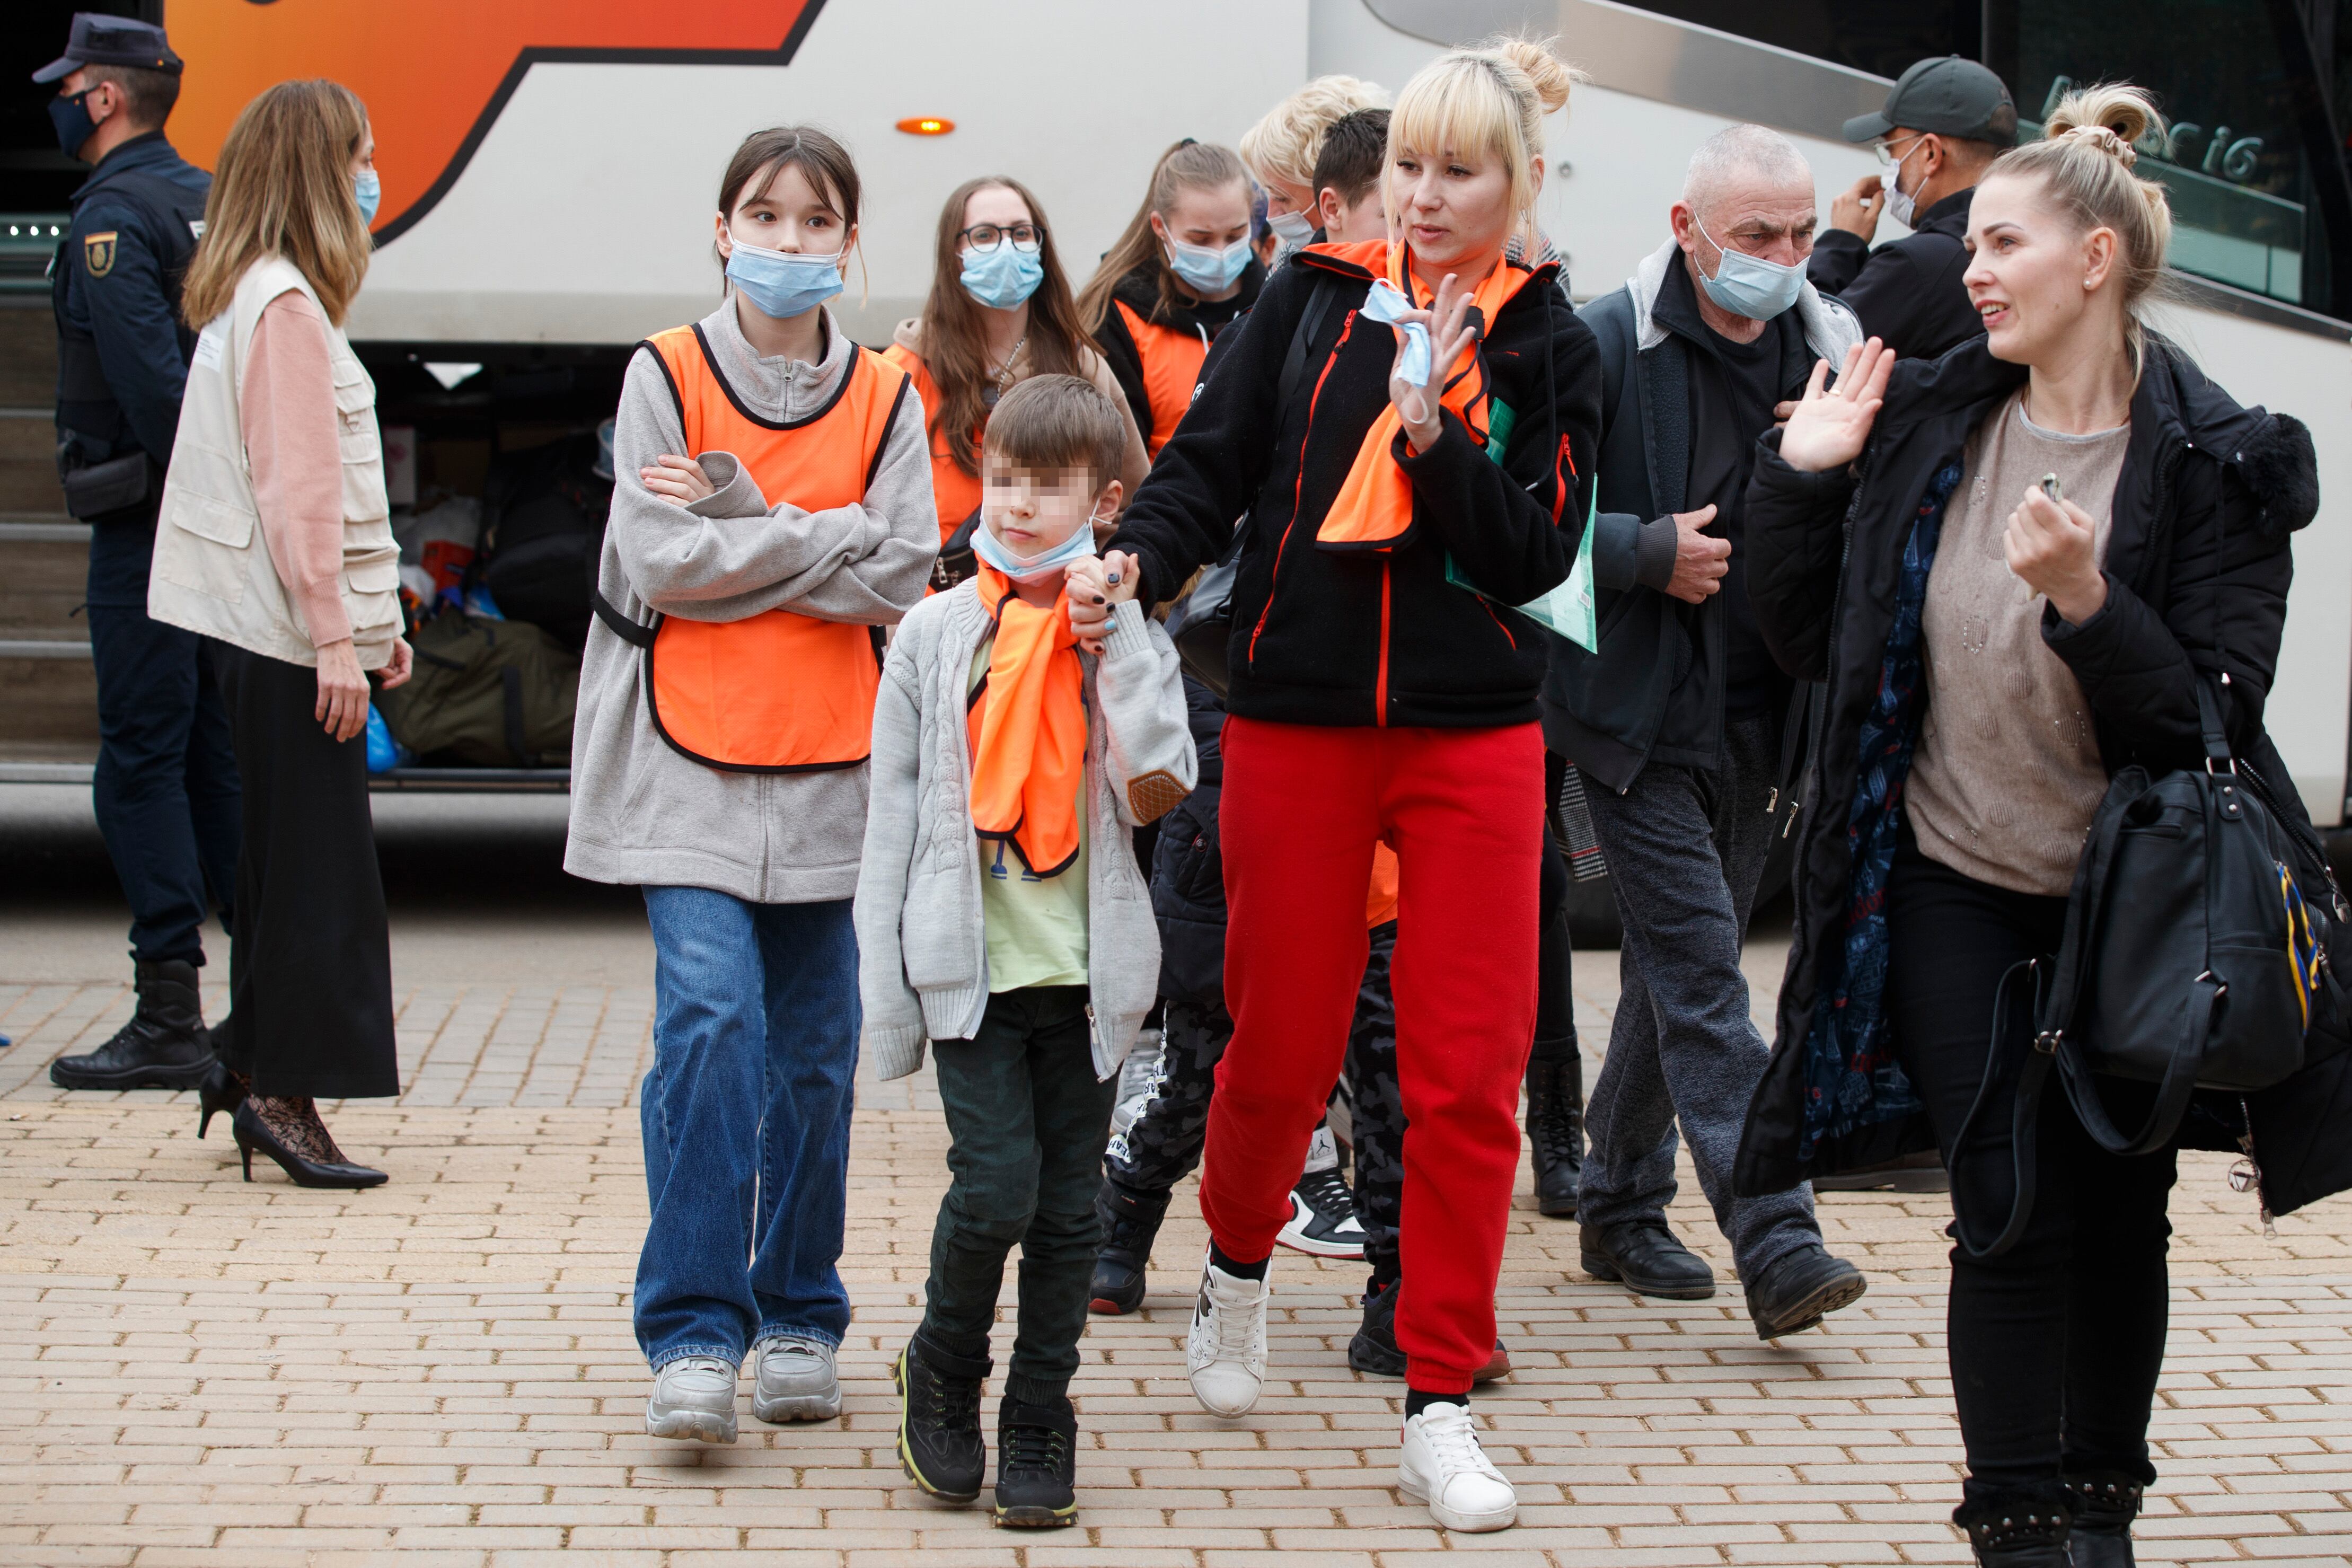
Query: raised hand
x,y
1832,425
1419,407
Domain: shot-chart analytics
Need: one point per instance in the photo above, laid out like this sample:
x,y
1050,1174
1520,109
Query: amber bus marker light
x,y
926,125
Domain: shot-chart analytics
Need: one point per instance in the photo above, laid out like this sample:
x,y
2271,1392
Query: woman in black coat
x,y
1978,698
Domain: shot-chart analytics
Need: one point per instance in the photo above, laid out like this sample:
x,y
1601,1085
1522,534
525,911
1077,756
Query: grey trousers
x,y
1686,848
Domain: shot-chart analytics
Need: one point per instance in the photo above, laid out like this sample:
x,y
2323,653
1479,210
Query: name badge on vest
x,y
98,253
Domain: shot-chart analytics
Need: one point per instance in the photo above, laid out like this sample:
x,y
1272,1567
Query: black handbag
x,y
957,561
2201,950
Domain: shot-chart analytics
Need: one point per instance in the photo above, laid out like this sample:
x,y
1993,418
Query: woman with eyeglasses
x,y
1000,311
1183,269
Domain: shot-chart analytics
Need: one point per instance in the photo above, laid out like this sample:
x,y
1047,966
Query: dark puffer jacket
x,y
2198,567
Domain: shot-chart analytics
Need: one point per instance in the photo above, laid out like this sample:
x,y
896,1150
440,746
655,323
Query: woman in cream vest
x,y
275,539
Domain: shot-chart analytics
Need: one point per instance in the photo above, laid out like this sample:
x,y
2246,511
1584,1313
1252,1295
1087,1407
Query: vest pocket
x,y
215,573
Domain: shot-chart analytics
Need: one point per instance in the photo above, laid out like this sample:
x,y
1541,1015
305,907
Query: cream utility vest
x,y
213,571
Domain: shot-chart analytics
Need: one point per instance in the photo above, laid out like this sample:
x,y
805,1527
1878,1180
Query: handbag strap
x,y
2024,1126
2210,727
2172,1093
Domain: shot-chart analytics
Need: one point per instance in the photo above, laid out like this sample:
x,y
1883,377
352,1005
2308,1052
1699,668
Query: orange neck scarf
x,y
1028,728
1373,511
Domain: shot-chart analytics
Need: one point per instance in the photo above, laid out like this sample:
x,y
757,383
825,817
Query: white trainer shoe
x,y
1224,1353
793,1380
694,1397
1444,1467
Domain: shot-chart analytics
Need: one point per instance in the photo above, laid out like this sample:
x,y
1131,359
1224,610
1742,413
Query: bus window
x,y
1862,35
2251,206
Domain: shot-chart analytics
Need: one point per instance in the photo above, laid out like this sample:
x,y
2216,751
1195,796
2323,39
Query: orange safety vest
x,y
1171,369
957,492
777,692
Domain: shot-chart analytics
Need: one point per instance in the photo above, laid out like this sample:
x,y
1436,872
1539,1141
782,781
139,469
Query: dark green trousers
x,y
1028,1119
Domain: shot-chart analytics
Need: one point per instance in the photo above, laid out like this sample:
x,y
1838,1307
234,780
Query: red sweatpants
x,y
1463,810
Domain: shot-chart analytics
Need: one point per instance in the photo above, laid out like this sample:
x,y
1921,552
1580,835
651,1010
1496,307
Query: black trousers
x,y
310,958
2055,1345
166,790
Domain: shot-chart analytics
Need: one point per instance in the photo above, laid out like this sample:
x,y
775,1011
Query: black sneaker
x,y
1798,1291
1645,1256
165,1046
1130,1220
939,1445
1374,1351
1036,1464
1323,1222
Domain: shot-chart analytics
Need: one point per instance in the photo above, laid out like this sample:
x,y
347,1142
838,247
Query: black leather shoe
x,y
1130,1220
2104,1506
1644,1255
219,1092
1036,1464
1555,1130
165,1046
1374,1351
1796,1293
939,1445
252,1133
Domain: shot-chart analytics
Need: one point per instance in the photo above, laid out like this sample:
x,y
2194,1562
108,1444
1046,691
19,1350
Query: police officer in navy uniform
x,y
1944,123
167,787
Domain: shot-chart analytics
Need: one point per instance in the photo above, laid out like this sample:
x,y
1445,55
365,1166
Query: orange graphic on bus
x,y
435,73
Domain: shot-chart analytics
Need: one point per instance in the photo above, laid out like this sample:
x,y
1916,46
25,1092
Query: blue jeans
x,y
746,1119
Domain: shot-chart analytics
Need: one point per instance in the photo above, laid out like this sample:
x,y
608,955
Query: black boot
x,y
1036,1464
165,1046
1129,1221
2103,1505
939,1445
1556,1127
2028,1534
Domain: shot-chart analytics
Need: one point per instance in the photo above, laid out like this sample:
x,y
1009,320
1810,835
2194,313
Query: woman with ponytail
x,y
1996,645
1180,273
1406,427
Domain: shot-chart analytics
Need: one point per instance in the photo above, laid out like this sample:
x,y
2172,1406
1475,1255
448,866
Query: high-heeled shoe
x,y
219,1091
252,1133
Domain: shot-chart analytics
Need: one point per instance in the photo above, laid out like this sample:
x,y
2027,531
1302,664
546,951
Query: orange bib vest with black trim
x,y
1171,369
777,692
957,492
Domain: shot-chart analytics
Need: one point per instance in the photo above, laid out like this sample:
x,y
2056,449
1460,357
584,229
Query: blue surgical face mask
x,y
370,191
1207,267
780,284
1751,286
1002,278
70,115
1031,568
1292,229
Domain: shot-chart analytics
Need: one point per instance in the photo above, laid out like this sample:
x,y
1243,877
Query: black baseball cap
x,y
98,40
1951,97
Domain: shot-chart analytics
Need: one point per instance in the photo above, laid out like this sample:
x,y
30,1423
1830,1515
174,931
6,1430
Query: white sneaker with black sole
x,y
694,1397
1444,1467
1323,1222
1224,1351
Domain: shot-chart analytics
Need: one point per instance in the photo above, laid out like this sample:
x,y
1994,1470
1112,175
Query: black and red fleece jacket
x,y
1355,638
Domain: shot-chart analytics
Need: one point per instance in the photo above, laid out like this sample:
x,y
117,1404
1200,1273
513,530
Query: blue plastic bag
x,y
384,753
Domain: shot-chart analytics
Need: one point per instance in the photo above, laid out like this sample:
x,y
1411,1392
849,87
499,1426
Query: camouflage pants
x,y
1164,1144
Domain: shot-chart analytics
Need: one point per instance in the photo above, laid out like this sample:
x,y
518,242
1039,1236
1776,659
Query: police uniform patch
x,y
98,253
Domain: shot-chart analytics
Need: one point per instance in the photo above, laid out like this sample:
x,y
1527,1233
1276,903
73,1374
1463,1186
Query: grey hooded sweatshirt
x,y
643,814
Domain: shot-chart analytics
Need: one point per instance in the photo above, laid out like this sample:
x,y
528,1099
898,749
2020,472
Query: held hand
x,y
1098,585
1856,208
1422,407
680,480
1700,560
402,663
1830,426
2052,546
1780,412
342,691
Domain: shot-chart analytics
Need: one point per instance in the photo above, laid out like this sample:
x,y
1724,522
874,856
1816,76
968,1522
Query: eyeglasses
x,y
988,236
1886,150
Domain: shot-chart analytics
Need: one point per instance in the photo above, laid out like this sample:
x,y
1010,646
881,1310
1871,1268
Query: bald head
x,y
1745,161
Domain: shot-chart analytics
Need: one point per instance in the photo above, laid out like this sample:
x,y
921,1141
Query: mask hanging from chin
x,y
781,284
1749,285
1031,568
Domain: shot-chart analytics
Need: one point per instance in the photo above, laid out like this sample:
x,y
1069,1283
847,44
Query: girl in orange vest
x,y
1000,311
773,513
1416,478
1181,273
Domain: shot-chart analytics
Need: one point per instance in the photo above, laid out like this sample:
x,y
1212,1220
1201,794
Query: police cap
x,y
1949,96
99,41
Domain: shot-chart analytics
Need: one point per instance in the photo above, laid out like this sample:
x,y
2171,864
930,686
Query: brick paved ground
x,y
198,1370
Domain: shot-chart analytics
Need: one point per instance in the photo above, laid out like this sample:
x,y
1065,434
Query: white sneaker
x,y
793,1380
1444,1467
1323,1221
694,1397
1224,1353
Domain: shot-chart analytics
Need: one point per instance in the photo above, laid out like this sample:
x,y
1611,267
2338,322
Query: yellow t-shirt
x,y
1036,926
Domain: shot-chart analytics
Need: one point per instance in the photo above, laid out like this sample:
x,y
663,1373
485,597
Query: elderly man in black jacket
x,y
1944,123
1678,721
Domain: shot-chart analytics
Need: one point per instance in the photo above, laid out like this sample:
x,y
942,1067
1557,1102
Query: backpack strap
x,y
1294,360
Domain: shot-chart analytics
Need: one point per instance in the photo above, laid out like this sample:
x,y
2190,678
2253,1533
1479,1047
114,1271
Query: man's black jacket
x,y
1355,638
1907,292
2198,567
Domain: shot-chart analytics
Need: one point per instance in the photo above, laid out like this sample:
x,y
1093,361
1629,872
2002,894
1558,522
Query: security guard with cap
x,y
167,787
1944,123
